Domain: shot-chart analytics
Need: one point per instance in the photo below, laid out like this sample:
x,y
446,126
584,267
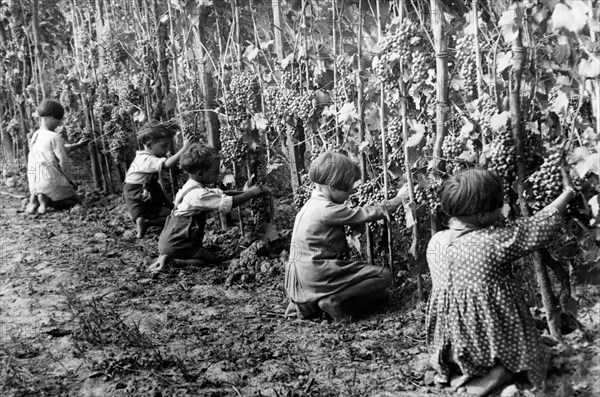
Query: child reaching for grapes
x,y
180,242
317,279
48,165
146,201
480,333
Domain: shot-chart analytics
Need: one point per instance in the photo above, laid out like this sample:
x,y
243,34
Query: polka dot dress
x,y
476,316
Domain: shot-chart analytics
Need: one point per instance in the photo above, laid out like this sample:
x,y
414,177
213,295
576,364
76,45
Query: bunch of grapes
x,y
145,53
546,183
421,63
302,194
452,147
503,158
130,96
465,61
282,103
533,150
586,111
486,108
72,126
114,51
345,87
245,90
397,46
394,132
301,105
232,148
245,267
290,77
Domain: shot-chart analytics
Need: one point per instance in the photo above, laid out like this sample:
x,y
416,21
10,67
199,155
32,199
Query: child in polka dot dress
x,y
480,333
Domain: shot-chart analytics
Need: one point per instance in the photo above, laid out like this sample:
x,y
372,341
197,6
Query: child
x,y
48,165
317,279
477,325
181,240
145,199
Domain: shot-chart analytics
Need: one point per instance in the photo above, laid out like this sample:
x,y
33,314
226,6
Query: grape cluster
x,y
282,104
345,87
114,51
503,158
118,130
302,194
586,111
145,53
419,67
546,183
67,97
245,89
465,61
72,126
245,268
394,132
452,147
397,46
533,150
232,148
486,108
290,77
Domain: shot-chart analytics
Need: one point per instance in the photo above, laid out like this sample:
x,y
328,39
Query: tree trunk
x,y
519,57
6,138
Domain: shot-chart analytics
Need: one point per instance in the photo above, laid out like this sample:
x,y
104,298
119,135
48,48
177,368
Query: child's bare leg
x,y
483,385
374,288
44,203
33,204
142,224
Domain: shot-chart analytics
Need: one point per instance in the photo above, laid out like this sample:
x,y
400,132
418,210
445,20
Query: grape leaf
x,y
354,240
498,122
251,52
510,29
229,179
589,68
347,113
260,122
503,61
561,103
572,18
594,205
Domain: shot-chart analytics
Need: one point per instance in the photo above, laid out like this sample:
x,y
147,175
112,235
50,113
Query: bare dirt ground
x,y
81,316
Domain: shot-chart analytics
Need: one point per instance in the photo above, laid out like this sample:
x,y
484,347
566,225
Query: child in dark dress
x,y
181,239
480,333
317,279
145,199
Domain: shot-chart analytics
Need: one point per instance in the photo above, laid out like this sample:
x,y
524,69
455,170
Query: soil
x,y
81,315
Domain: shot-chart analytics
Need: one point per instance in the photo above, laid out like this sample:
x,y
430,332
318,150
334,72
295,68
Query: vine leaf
x,y
417,137
347,113
561,103
510,29
498,122
573,17
251,52
589,68
504,61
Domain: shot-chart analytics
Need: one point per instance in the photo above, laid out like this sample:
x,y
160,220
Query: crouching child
x,y
180,242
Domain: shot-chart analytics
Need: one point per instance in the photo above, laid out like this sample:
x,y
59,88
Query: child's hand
x,y
566,179
403,194
259,190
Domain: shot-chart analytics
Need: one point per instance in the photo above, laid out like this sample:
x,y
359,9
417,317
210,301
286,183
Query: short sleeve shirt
x,y
201,199
144,166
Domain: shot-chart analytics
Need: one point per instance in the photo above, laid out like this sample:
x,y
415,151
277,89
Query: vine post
x,y
360,106
384,157
516,118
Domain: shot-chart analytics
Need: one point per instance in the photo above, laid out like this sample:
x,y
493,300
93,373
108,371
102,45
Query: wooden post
x,y
549,300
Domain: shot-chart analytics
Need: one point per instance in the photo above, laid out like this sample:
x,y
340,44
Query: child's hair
x,y
472,191
198,157
51,108
152,131
335,170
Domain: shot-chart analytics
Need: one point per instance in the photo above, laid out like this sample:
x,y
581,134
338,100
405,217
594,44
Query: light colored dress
x,y
476,313
315,268
48,166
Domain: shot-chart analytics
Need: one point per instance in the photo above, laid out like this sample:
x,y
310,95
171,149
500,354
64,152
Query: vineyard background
x,y
413,90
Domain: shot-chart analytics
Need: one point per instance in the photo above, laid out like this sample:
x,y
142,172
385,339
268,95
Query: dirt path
x,y
80,316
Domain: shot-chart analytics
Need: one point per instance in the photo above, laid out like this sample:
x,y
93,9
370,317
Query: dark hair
x,y
335,170
51,108
472,191
198,157
152,131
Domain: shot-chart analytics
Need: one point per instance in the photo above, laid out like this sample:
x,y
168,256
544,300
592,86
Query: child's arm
x,y
562,201
58,147
249,194
232,192
174,159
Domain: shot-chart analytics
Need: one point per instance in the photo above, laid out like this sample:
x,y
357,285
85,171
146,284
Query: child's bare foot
x,y
32,208
160,264
332,306
142,226
483,385
44,202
